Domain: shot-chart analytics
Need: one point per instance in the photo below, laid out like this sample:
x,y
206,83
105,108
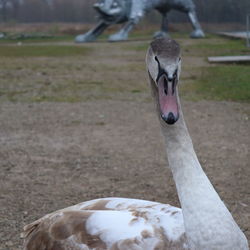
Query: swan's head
x,y
164,65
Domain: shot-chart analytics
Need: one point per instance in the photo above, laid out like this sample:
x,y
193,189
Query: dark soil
x,y
56,155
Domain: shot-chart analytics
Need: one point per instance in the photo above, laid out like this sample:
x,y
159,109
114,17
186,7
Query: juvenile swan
x,y
203,223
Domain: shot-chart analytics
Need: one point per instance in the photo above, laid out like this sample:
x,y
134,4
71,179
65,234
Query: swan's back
x,y
110,223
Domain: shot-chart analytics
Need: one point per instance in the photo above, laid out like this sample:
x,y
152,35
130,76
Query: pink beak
x,y
168,99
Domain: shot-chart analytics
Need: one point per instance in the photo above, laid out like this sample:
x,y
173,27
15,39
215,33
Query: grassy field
x,y
227,82
41,51
55,69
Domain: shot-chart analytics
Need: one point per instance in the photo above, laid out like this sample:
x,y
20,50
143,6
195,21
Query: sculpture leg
x,y
122,34
136,12
197,32
164,28
92,34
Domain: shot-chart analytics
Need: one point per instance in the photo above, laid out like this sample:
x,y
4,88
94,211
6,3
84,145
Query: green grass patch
x,y
42,51
70,73
35,38
138,47
213,45
227,82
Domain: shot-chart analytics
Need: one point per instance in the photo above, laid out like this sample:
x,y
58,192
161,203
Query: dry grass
x,y
51,72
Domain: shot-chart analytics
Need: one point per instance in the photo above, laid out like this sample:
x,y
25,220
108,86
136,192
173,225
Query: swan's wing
x,y
111,223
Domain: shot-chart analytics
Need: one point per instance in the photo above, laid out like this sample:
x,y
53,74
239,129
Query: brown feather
x,y
53,231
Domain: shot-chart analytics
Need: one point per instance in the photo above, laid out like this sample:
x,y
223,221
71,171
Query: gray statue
x,y
131,11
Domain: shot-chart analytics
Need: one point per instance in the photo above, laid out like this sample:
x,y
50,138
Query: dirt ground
x,y
55,154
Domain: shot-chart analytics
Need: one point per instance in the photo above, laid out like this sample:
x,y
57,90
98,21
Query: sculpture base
x,y
119,36
85,38
197,34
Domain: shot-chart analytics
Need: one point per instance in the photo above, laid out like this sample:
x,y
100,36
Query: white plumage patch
x,y
110,223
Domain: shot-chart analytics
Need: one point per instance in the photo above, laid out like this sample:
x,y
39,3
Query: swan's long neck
x,y
208,223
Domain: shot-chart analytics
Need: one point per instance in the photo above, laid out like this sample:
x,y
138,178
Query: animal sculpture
x,y
130,12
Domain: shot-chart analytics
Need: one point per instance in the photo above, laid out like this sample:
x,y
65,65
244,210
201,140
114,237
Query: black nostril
x,y
170,118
